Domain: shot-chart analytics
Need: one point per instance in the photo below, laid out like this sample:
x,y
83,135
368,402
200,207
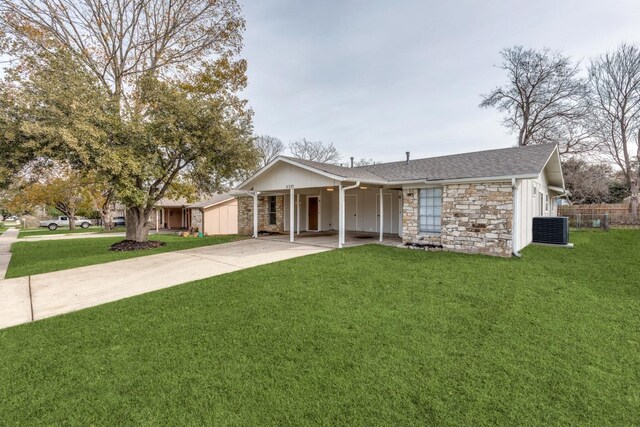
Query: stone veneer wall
x,y
476,218
196,219
245,215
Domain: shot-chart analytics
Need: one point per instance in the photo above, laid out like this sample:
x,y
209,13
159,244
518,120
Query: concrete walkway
x,y
6,240
42,237
36,297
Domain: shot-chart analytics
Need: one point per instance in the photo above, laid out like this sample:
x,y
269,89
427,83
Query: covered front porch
x,y
294,196
346,213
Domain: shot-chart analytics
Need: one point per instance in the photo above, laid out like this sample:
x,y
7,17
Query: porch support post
x,y
298,212
255,215
157,221
381,215
340,215
292,205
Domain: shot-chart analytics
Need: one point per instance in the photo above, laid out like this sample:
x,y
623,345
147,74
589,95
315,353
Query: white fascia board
x,y
428,183
557,189
557,153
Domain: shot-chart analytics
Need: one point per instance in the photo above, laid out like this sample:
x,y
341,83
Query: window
x,y
430,210
272,210
546,203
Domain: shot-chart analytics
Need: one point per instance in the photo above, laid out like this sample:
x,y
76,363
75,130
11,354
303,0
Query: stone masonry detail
x,y
245,215
196,219
476,218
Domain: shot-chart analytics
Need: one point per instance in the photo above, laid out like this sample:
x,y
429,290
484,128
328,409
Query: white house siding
x,y
529,206
282,175
367,210
326,207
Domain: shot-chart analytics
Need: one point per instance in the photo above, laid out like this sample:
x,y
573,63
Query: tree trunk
x,y
634,198
106,217
72,219
137,223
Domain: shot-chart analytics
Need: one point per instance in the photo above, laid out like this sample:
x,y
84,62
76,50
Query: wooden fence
x,y
598,215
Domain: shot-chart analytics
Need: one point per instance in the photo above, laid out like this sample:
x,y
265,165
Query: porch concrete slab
x,y
74,289
15,307
329,239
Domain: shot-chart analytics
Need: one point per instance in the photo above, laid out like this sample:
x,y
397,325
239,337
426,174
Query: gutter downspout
x,y
341,232
515,223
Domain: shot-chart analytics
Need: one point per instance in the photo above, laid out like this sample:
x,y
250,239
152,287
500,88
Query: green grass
x,y
52,255
363,336
46,232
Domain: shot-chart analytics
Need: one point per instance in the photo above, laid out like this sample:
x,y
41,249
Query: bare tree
x,y
123,40
615,80
587,182
364,162
544,100
269,147
316,151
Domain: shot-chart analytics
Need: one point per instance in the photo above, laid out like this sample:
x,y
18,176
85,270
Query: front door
x,y
313,213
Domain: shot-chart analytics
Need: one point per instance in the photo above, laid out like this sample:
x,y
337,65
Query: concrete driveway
x,y
26,299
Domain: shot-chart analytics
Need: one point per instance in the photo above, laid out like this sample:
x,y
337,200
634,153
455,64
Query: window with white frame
x,y
272,211
430,210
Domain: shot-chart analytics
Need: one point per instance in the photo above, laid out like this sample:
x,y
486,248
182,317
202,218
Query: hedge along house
x,y
480,202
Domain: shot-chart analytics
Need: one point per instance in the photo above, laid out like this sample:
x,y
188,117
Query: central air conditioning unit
x,y
551,230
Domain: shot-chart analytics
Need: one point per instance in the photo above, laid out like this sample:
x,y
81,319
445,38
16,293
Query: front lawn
x,y
362,336
46,232
51,255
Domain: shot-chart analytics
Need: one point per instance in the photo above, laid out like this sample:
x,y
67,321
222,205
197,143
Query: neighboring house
x,y
215,216
172,214
481,202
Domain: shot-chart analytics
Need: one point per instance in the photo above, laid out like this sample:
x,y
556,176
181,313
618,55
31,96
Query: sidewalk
x,y
6,240
44,295
42,237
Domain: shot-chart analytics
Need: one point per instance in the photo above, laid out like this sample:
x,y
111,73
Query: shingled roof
x,y
505,162
516,161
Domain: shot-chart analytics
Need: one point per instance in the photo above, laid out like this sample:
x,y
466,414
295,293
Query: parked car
x,y
118,221
63,221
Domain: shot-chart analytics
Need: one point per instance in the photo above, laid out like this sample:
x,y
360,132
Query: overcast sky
x,y
378,78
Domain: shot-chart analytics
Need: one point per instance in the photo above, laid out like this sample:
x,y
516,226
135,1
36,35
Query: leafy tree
x,y
154,84
316,151
615,81
544,99
62,189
